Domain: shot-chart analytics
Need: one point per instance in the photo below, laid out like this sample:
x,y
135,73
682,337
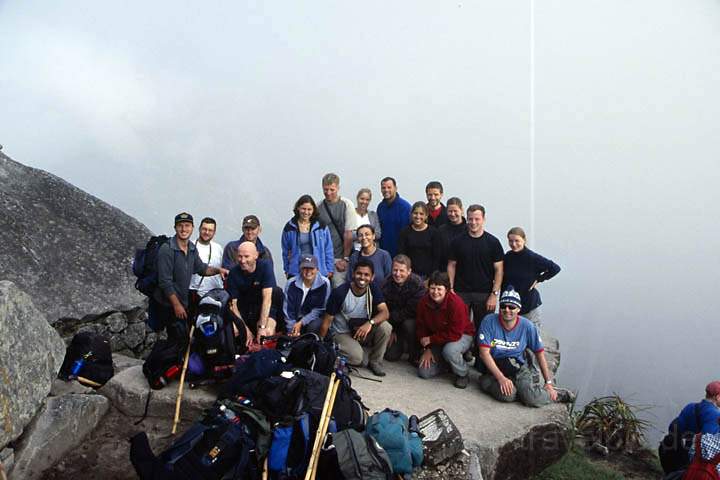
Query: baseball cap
x,y
251,221
183,217
308,261
713,388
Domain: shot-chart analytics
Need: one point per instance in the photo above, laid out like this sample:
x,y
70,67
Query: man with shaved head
x,y
255,297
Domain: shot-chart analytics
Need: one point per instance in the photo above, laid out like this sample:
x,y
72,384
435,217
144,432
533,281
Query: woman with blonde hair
x,y
524,270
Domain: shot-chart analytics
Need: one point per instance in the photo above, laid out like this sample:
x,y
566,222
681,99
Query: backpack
x,y
145,265
163,364
227,443
290,449
350,455
699,468
250,369
391,429
674,448
349,411
214,340
88,359
312,353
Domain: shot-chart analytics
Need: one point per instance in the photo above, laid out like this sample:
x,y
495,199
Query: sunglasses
x,y
508,306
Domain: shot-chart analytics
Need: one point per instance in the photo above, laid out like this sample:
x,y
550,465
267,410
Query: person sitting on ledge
x,y
444,330
502,339
694,418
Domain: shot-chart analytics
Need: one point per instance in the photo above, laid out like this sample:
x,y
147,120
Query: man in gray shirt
x,y
177,261
338,213
356,315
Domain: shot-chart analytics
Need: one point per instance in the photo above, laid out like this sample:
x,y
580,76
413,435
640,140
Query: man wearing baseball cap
x,y
695,417
502,339
305,298
251,233
177,261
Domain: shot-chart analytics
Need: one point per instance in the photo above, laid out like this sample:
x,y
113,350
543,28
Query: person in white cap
x,y
502,339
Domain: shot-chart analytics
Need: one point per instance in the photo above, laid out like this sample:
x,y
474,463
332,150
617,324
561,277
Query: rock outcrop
x,y
69,250
31,353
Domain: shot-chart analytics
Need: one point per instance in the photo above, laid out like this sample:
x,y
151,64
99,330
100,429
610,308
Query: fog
x,y
593,124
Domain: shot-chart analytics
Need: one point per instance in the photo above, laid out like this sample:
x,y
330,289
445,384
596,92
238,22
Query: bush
x,y
612,422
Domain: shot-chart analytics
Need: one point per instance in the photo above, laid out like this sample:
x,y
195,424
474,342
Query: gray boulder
x,y
128,391
69,250
31,353
59,428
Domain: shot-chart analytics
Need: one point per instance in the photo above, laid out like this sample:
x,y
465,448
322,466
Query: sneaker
x,y
376,370
565,395
461,382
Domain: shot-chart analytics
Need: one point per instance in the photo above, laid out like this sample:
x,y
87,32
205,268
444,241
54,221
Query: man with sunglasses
x,y
251,233
502,339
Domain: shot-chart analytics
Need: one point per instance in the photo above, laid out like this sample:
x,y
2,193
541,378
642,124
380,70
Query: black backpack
x,y
349,411
163,364
88,359
145,265
214,340
312,353
350,455
227,443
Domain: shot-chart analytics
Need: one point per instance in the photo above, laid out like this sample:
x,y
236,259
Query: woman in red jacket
x,y
444,330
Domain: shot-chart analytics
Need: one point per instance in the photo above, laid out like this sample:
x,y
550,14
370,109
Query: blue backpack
x,y
391,429
145,265
290,449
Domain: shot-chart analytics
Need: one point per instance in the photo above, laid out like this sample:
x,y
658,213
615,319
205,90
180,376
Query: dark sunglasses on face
x,y
508,306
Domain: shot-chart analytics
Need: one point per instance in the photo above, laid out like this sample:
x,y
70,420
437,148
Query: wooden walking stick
x,y
182,382
322,431
316,443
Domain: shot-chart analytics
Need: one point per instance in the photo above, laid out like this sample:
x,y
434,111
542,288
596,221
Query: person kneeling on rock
x,y
502,339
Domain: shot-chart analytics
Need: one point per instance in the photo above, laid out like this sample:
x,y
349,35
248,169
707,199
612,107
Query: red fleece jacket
x,y
443,323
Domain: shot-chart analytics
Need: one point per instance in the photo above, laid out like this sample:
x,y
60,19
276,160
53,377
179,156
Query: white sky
x,y
240,107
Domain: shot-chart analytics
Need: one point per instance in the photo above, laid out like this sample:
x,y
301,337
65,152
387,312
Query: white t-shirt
x,y
205,284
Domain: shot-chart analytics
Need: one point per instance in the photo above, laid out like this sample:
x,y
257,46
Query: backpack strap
x,y
332,219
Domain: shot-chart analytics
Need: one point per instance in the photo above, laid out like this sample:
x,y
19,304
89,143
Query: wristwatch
x,y
496,292
548,382
372,322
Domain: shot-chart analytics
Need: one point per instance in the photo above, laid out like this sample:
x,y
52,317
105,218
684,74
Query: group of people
x,y
423,280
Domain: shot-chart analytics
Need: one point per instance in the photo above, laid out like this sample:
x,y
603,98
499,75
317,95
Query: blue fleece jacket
x,y
393,218
322,248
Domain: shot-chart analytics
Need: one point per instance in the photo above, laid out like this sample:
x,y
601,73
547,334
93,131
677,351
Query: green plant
x,y
612,422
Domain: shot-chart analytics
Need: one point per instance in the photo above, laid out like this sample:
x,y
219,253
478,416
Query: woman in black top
x,y
421,242
524,269
449,231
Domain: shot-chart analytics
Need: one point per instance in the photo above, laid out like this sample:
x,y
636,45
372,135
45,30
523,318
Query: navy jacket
x,y
312,308
521,269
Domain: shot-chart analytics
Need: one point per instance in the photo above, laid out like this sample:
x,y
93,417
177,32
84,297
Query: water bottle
x,y
78,364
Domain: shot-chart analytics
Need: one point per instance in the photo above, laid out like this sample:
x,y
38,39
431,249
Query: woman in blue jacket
x,y
304,234
524,269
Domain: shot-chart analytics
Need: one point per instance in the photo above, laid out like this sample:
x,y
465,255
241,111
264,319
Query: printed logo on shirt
x,y
482,337
504,345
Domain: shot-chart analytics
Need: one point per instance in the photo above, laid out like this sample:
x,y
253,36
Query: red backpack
x,y
701,469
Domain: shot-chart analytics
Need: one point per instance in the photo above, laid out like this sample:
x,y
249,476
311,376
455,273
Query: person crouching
x,y
444,330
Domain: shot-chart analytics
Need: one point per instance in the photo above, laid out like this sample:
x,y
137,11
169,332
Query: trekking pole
x,y
324,426
182,382
265,469
316,443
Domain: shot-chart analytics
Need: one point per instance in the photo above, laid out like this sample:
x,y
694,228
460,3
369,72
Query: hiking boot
x,y
376,369
565,395
461,382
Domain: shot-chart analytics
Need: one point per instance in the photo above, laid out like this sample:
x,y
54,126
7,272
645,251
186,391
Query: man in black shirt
x,y
475,265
